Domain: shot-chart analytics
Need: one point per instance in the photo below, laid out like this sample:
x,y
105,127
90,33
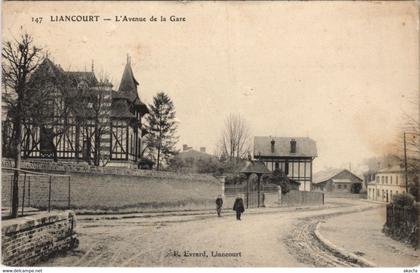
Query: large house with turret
x,y
76,117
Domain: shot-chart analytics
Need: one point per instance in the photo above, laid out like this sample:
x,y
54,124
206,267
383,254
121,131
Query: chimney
x,y
203,149
272,145
293,146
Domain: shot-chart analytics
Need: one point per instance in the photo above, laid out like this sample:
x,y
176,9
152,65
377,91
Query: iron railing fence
x,y
36,190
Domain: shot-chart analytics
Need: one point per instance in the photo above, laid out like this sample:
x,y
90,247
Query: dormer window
x,y
272,145
293,146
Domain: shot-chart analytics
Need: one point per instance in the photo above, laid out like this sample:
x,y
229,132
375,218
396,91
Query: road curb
x,y
203,213
341,251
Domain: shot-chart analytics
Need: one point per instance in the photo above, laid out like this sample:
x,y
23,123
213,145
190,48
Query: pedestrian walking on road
x,y
219,205
238,206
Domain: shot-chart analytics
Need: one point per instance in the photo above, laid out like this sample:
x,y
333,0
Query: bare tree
x,y
94,106
19,59
235,139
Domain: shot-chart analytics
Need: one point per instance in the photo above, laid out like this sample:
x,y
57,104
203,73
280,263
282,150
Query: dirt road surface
x,y
278,238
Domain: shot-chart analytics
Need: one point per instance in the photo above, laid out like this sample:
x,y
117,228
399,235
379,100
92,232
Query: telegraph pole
x,y
405,164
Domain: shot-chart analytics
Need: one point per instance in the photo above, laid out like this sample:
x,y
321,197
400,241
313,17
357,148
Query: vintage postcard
x,y
210,134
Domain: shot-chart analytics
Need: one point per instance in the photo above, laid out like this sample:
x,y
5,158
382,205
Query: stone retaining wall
x,y
28,240
111,189
47,165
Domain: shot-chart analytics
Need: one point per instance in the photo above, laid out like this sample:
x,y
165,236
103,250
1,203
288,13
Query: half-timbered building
x,y
293,156
78,118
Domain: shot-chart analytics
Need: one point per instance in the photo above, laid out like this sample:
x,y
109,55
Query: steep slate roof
x,y
305,147
326,175
121,100
255,167
53,70
78,76
128,86
128,83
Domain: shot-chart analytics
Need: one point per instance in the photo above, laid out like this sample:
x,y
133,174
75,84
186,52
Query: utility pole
x,y
405,164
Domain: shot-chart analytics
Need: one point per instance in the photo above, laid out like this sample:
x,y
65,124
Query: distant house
x,y
388,182
190,153
337,180
194,160
292,155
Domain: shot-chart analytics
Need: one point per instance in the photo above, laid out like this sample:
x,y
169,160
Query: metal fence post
x,y
69,196
11,193
49,195
23,193
29,191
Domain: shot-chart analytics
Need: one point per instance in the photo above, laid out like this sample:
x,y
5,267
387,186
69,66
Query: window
x,y
386,179
377,178
344,186
396,180
390,179
338,186
293,146
382,179
276,165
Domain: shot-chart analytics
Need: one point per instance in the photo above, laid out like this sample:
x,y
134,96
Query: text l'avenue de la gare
x,y
114,18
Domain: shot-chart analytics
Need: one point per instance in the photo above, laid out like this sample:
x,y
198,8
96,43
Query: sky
x,y
341,73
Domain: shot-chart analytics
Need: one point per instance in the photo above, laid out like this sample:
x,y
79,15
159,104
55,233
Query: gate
x,y
254,199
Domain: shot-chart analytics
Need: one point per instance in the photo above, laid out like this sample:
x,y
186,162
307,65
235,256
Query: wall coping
x,y
27,222
83,168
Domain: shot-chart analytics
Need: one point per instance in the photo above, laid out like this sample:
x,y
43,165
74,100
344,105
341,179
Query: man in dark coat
x,y
238,206
219,204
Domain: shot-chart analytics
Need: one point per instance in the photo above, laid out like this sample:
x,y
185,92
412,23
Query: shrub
x,y
146,164
403,200
280,178
234,179
413,188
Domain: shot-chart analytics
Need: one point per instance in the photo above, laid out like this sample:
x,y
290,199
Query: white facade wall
x,y
386,185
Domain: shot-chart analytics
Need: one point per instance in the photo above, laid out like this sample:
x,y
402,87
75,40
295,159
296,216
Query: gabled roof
x,y
305,147
76,77
47,69
326,175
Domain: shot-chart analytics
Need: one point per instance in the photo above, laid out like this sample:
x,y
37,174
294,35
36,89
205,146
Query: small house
x,y
337,180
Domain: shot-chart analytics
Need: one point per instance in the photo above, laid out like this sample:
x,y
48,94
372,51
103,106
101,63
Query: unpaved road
x,y
277,238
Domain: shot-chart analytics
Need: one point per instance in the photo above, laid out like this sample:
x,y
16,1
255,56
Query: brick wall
x,y
28,240
296,198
